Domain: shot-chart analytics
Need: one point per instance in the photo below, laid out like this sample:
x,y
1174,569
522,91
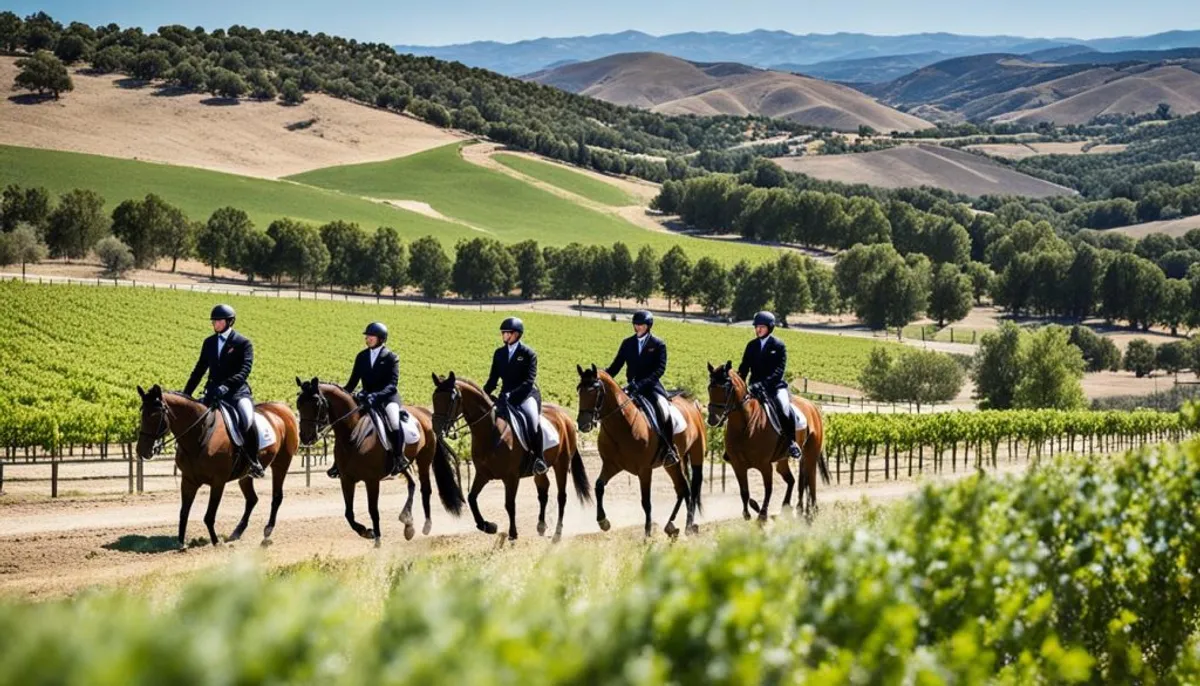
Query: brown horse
x,y
328,407
205,454
628,442
497,454
751,442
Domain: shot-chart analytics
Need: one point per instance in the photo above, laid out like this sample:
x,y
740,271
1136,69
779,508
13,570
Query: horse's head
x,y
721,397
591,397
155,421
314,410
447,402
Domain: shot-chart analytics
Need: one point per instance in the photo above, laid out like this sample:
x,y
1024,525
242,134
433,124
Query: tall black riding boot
x,y
666,434
535,446
250,449
787,422
398,462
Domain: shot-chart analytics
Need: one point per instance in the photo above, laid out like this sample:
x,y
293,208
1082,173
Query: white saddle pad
x,y
549,435
801,420
678,423
408,428
266,434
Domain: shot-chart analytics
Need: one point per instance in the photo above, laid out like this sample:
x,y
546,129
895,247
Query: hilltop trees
x,y
43,73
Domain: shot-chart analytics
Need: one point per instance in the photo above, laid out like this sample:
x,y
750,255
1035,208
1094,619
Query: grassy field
x,y
198,191
567,179
507,207
85,348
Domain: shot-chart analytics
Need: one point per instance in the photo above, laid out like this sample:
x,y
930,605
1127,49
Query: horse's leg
x,y
644,477
210,516
477,484
348,496
607,471
187,492
786,472
247,486
406,512
811,477
373,508
279,469
681,497
768,477
543,493
560,475
744,488
510,504
426,492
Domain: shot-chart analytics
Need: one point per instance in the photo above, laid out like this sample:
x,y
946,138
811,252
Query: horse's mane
x,y
472,384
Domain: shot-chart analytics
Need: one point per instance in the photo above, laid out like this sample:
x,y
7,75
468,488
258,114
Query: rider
x,y
644,357
379,370
515,365
765,358
228,356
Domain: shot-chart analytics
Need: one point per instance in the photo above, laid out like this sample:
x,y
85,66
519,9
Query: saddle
x,y
517,422
409,431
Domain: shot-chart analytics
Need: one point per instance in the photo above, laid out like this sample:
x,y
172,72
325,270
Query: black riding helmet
x,y
377,329
513,324
223,312
766,319
643,317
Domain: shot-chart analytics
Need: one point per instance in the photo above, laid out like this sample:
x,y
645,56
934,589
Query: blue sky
x,y
440,22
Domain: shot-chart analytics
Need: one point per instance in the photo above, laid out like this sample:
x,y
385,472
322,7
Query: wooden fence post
x,y
129,455
53,477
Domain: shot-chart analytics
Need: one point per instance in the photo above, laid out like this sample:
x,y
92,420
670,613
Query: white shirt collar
x,y
375,354
762,342
641,340
512,348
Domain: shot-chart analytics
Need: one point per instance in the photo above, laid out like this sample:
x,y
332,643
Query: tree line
x,y
246,62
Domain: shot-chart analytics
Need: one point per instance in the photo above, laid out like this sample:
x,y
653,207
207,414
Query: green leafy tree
x,y
601,285
791,293
179,237
1139,357
22,246
675,273
947,241
428,267
76,224
622,270
43,73
754,292
12,31
569,272
1172,357
349,261
299,251
70,49
922,377
24,206
1173,312
144,226
981,280
260,85
997,367
111,59
710,283
226,84
645,275
1099,353
150,65
219,241
114,255
254,256
483,268
533,277
950,298
291,94
388,262
1051,371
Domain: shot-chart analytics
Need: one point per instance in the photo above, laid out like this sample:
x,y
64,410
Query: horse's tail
x,y
697,479
449,491
583,487
824,466
698,462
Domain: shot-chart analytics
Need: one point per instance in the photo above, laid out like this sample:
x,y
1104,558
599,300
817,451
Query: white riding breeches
x,y
392,410
529,408
245,410
785,402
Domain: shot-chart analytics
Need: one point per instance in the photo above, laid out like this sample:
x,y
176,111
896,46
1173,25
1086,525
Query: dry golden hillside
x,y
675,86
104,116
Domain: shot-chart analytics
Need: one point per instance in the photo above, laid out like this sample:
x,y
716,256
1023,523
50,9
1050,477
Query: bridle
x,y
320,422
594,410
731,404
450,427
160,435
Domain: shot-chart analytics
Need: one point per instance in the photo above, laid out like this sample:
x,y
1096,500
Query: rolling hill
x,y
1066,86
867,69
766,48
673,86
911,166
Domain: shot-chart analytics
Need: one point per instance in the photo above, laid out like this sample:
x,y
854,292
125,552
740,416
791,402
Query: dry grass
x,y
107,115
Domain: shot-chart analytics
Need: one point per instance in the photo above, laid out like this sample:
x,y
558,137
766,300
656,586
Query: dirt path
x,y
55,548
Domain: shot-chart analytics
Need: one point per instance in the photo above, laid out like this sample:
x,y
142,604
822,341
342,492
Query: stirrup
x,y
793,450
540,466
333,472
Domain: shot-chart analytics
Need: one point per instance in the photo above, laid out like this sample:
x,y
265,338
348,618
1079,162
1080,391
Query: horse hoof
x,y
604,525
671,530
541,528
406,518
364,533
746,516
378,542
512,536
182,548
488,528
268,531
427,528
267,543
557,537
693,530
409,532
234,537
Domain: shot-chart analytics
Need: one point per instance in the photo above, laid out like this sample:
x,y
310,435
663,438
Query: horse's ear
x,y
299,382
315,382
593,367
728,365
710,367
452,378
436,380
579,369
141,393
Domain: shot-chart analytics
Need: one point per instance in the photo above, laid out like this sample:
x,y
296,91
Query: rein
x,y
597,417
321,422
450,429
730,405
164,429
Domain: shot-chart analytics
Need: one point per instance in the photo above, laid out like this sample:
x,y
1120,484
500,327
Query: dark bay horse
x,y
327,406
497,454
751,442
628,442
205,454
